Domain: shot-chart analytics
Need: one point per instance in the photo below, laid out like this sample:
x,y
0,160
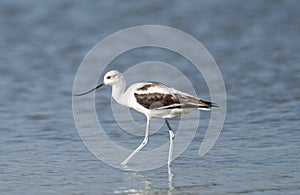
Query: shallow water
x,y
256,45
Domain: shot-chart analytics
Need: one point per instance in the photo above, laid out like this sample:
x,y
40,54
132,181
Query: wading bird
x,y
154,100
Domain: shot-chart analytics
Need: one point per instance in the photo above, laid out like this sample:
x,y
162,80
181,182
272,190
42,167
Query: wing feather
x,y
159,96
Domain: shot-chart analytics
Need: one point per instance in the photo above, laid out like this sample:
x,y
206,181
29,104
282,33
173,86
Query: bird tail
x,y
206,105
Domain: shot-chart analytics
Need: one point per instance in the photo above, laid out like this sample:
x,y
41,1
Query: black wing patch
x,y
170,101
156,100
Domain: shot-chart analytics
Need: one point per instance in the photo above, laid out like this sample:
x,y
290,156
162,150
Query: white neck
x,y
118,89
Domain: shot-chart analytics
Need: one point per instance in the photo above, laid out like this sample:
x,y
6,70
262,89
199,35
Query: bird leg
x,y
171,143
145,141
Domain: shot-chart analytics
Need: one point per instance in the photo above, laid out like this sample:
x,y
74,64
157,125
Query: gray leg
x,y
145,141
171,143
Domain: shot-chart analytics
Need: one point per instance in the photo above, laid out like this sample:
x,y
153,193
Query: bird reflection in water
x,y
148,188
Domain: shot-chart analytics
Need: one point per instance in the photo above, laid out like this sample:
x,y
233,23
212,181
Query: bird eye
x,y
108,77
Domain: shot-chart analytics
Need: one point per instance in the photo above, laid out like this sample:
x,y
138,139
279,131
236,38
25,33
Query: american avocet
x,y
153,99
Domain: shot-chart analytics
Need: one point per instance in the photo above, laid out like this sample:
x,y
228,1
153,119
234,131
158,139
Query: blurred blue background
x,y
255,43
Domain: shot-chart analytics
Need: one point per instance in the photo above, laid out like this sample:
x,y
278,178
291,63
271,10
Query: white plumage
x,y
155,100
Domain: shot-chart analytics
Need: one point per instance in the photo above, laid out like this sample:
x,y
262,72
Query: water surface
x,y
256,45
